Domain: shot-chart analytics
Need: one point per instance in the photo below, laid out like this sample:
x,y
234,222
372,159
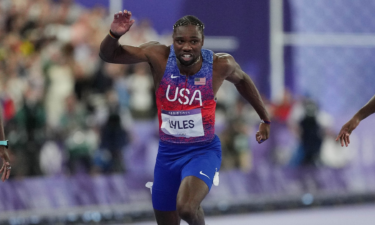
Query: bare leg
x,y
167,217
190,195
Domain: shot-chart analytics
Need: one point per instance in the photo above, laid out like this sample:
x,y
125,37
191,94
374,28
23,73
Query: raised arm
x,y
247,89
347,129
110,49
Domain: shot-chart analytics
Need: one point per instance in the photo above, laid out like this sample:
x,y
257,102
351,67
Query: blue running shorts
x,y
174,162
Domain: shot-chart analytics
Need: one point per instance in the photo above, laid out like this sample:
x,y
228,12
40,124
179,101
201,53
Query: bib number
x,y
186,123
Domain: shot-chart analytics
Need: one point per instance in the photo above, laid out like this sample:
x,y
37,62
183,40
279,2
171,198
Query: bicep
x,y
235,74
229,69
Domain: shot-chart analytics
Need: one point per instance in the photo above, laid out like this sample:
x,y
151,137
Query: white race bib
x,y
182,123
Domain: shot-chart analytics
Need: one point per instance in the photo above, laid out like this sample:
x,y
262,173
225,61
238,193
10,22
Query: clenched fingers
x,y
260,137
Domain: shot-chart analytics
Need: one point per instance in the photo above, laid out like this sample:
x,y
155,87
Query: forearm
x,y
108,48
2,135
366,110
247,89
112,52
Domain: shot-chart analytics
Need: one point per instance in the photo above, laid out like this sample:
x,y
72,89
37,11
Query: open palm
x,y
121,22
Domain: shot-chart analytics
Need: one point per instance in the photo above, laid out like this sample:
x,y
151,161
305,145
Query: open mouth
x,y
186,57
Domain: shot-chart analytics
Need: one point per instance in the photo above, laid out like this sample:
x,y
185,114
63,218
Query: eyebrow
x,y
181,37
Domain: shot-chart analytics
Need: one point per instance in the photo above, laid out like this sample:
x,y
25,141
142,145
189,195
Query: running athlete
x,y
186,78
347,129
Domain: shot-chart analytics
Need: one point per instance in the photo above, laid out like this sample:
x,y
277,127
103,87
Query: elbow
x,y
239,83
107,54
105,59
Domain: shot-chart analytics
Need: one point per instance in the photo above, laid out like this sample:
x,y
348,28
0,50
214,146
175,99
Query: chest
x,y
186,90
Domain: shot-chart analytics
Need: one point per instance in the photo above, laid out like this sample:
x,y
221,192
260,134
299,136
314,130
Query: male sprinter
x,y
347,129
186,79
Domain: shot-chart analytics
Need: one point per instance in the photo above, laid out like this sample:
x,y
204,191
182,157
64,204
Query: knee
x,y
186,211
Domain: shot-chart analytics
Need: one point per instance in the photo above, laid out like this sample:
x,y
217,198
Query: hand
x,y
121,22
346,130
5,169
263,133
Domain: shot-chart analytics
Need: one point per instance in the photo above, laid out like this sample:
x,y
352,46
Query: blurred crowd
x,y
66,111
61,102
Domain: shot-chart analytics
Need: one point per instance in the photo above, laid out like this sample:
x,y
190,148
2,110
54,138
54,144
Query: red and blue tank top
x,y
186,104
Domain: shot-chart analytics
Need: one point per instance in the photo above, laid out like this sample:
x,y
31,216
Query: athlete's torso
x,y
186,104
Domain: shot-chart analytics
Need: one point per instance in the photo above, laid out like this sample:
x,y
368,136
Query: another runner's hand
x,y
263,133
121,22
5,168
346,130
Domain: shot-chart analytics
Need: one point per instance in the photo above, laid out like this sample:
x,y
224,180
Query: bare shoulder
x,y
223,58
224,63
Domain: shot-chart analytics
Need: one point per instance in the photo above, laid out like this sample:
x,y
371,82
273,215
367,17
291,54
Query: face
x,y
187,43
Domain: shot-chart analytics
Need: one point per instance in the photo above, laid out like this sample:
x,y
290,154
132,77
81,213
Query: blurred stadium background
x,y
83,133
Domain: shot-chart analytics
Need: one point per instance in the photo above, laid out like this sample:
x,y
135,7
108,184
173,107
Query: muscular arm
x,y
112,52
110,49
245,87
231,71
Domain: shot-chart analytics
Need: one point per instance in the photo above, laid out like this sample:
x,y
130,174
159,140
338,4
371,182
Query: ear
x,y
202,39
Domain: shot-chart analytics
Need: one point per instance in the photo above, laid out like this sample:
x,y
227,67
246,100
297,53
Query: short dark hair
x,y
189,20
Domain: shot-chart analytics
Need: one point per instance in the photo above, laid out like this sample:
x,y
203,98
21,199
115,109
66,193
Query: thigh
x,y
167,217
192,191
165,188
203,166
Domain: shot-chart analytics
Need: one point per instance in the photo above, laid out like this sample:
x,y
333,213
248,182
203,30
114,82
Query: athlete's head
x,y
188,39
189,20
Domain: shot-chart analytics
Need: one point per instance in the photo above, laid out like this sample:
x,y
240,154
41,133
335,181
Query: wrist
x,y
266,121
113,35
357,119
4,143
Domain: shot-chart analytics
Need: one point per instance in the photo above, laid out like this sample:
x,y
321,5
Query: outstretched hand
x,y
5,168
346,130
121,22
263,133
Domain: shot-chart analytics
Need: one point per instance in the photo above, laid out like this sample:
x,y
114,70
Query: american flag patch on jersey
x,y
200,81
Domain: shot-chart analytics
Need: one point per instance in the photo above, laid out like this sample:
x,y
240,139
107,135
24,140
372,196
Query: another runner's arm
x,y
244,85
352,124
5,168
366,110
